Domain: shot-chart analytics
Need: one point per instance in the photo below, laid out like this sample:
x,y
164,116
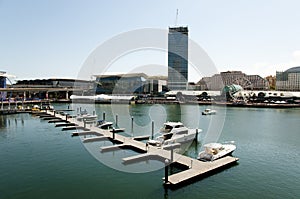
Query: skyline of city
x,y
50,39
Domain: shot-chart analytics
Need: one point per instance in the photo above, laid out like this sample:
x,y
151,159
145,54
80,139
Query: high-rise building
x,y
178,58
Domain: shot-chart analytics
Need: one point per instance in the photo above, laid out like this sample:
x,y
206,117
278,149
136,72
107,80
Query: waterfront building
x,y
120,83
57,88
156,85
53,83
2,84
214,83
257,82
247,82
288,80
131,83
178,58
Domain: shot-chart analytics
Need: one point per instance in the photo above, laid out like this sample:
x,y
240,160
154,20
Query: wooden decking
x,y
195,167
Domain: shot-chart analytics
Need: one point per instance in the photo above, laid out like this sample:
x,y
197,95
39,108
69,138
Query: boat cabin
x,y
170,126
213,148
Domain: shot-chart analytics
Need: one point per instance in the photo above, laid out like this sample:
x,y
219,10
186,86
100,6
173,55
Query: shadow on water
x,y
193,149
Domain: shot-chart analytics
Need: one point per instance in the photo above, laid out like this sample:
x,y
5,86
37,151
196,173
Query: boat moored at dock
x,y
213,151
84,115
102,124
174,132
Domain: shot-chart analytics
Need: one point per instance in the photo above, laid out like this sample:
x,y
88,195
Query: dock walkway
x,y
195,167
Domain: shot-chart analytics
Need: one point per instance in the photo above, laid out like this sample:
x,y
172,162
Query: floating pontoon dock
x,y
195,167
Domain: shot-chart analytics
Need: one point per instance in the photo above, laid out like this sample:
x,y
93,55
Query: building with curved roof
x,y
293,70
288,80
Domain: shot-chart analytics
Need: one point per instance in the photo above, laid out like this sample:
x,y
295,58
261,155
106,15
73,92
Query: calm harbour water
x,y
41,161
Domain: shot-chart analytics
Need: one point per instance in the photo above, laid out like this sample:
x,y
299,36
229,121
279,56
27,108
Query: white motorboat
x,y
102,124
87,117
209,112
174,132
83,115
213,151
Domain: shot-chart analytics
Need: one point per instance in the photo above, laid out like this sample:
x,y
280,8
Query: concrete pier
x,y
112,148
199,168
84,133
94,139
65,124
142,137
55,120
68,128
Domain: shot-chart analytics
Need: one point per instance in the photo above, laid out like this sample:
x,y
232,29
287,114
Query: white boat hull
x,y
184,140
228,150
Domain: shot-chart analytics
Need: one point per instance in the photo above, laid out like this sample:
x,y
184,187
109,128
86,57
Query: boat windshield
x,y
167,136
100,122
166,129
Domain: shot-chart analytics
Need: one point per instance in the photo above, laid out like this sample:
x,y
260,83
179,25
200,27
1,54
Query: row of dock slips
x,y
166,155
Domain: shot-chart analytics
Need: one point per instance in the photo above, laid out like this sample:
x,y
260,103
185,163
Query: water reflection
x,y
3,121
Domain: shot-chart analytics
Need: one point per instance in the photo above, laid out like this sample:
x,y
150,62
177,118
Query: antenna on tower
x,y
176,20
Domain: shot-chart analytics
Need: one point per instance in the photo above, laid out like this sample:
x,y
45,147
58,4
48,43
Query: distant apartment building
x,y
178,58
213,83
288,80
257,82
247,82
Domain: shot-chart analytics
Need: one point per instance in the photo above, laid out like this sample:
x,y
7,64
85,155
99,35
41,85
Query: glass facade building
x,y
178,58
121,84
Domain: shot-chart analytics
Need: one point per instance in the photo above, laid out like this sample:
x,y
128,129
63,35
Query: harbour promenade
x,y
193,167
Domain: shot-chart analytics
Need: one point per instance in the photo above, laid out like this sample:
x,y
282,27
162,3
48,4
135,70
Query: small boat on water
x,y
213,151
86,117
83,115
174,132
209,112
102,124
35,108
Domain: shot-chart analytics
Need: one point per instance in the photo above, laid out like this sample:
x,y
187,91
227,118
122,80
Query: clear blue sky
x,y
53,38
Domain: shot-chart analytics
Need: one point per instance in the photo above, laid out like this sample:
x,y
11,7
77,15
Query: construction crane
x,y
176,19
